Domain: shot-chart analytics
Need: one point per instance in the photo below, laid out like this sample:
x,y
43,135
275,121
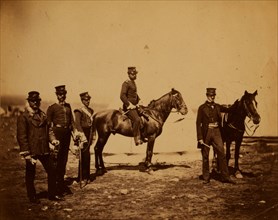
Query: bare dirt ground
x,y
172,191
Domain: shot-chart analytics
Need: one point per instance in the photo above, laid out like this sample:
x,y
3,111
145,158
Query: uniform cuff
x,y
24,153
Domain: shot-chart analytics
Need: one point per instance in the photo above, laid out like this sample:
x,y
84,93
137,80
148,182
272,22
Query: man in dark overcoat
x,y
208,133
33,136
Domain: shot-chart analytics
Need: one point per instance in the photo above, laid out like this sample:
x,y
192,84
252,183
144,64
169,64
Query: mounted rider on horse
x,y
130,99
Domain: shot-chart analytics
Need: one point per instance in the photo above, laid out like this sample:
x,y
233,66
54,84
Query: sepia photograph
x,y
133,110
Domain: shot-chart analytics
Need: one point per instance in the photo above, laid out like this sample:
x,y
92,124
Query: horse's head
x,y
177,102
250,106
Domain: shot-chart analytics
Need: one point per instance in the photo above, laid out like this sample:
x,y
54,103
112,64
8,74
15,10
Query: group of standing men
x,y
35,130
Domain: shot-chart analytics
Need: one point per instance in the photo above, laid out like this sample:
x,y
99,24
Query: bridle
x,y
175,102
249,128
250,116
248,113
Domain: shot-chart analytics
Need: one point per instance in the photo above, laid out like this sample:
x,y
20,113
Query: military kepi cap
x,y
85,96
33,96
211,91
132,70
61,89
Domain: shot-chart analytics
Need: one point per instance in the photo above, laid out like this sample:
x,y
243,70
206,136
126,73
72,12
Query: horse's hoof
x,y
238,175
149,171
104,170
148,165
100,172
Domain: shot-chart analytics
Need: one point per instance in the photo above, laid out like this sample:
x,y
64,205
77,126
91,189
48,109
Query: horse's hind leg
x,y
99,164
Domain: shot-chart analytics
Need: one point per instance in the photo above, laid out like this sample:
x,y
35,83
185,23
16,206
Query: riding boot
x,y
137,133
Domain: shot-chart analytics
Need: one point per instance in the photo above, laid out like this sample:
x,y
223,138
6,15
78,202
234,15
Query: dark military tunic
x,y
60,115
61,120
83,118
207,113
129,94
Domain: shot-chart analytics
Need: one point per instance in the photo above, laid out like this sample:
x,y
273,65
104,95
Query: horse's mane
x,y
152,103
234,106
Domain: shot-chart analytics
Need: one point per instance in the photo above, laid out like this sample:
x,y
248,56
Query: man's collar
x,y
210,103
61,103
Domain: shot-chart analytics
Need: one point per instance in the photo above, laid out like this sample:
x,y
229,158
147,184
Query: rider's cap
x,y
132,70
34,96
211,91
61,90
85,96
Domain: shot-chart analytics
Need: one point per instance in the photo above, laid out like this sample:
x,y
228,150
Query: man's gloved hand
x,y
94,137
76,150
131,106
55,143
77,140
201,142
54,147
29,158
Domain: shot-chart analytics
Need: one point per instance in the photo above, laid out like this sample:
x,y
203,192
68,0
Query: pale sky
x,y
188,45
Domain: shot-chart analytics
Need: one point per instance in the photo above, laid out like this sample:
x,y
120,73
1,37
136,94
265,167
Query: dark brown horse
x,y
113,121
234,124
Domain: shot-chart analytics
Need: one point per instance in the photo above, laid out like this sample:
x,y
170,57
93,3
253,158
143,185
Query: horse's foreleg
x,y
149,151
236,167
237,147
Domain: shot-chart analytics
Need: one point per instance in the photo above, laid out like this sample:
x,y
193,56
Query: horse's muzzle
x,y
256,119
183,110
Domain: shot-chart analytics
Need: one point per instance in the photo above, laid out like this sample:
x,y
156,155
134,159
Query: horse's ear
x,y
245,93
174,92
255,93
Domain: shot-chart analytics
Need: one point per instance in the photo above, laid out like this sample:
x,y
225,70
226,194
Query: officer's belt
x,y
213,125
61,126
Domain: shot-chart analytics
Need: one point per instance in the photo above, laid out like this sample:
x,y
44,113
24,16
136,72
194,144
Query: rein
x,y
249,128
156,120
231,126
176,107
249,115
247,111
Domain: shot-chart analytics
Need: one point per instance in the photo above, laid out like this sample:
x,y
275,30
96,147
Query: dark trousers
x,y
214,138
85,156
30,174
135,118
63,135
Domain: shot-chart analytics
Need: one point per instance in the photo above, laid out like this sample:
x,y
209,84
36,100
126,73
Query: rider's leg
x,y
133,115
